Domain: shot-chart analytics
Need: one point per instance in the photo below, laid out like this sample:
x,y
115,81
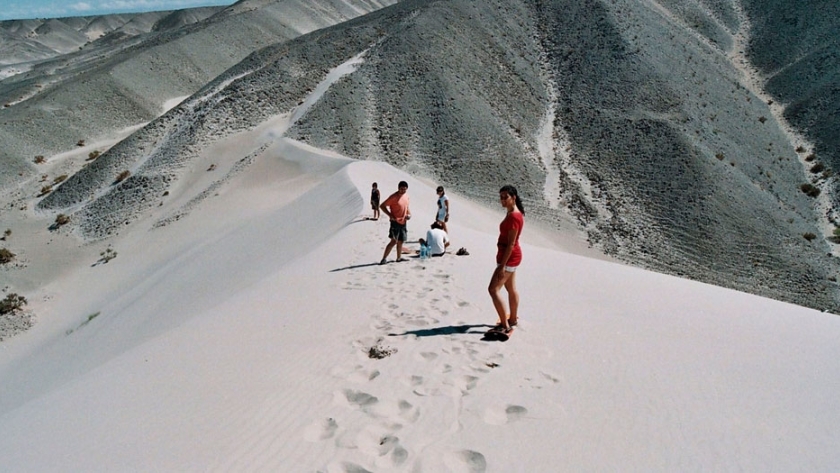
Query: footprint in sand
x,y
383,446
466,461
356,399
320,430
501,417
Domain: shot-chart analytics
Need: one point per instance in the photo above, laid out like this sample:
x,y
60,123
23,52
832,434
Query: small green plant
x,y
809,236
122,176
6,256
61,219
13,302
810,190
93,155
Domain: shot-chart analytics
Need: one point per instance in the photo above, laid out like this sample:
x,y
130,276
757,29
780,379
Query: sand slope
x,y
237,338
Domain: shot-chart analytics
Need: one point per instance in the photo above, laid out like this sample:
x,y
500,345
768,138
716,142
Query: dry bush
x,y
800,149
60,179
122,176
61,219
80,143
40,159
809,236
810,190
93,155
45,190
6,256
12,303
817,168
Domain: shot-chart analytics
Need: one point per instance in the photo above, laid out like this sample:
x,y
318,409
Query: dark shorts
x,y
398,231
374,204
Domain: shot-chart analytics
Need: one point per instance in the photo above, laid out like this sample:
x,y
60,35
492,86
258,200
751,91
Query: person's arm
x,y
446,203
510,240
384,209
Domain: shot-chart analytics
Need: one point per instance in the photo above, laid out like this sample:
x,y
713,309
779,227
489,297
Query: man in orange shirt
x,y
396,208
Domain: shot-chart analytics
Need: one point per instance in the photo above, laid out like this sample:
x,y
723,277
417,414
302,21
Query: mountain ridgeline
x,y
631,119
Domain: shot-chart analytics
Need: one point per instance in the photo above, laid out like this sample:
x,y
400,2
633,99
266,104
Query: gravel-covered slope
x,y
123,81
630,118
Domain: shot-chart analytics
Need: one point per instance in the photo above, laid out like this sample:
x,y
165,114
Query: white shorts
x,y
509,269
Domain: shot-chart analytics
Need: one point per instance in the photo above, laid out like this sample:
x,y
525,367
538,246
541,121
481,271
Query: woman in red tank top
x,y
508,257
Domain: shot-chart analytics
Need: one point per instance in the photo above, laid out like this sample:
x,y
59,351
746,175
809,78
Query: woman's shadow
x,y
448,330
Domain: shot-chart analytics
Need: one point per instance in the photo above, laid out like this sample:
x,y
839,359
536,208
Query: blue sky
x,y
19,9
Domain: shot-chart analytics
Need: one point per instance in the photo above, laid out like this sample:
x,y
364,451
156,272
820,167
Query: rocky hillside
x,y
125,78
639,121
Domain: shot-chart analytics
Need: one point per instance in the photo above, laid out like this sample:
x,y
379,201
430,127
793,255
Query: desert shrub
x,y
720,156
11,303
61,219
6,256
810,157
809,236
6,234
60,179
817,168
39,159
107,255
122,176
93,155
80,143
810,190
45,190
800,149
762,119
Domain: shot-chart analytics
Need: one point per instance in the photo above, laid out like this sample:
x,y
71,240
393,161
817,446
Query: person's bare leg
x,y
388,248
500,277
399,249
513,299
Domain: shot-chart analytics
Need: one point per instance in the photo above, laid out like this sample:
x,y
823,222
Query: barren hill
x,y
643,123
127,77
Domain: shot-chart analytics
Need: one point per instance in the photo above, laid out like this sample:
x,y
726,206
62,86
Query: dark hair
x,y
437,224
439,189
374,184
402,184
510,190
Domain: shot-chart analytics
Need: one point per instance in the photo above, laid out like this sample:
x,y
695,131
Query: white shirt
x,y
436,239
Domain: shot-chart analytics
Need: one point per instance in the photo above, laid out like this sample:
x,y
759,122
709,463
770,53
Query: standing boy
x,y
374,201
396,208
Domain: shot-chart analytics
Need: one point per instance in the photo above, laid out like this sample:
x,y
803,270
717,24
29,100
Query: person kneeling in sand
x,y
436,239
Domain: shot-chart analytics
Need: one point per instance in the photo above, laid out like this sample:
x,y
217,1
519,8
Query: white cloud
x,y
81,6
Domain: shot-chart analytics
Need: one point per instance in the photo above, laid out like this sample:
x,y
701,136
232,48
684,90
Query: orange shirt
x,y
398,206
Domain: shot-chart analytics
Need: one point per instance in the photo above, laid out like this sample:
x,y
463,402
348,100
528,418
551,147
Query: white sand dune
x,y
237,336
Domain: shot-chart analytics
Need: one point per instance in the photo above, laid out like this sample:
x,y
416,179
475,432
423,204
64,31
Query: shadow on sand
x,y
448,330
